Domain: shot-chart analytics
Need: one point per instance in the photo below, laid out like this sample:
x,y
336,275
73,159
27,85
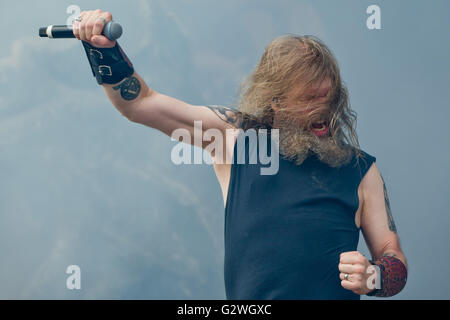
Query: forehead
x,y
319,89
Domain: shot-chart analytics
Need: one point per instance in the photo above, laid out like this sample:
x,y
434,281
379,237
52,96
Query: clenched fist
x,y
90,28
356,266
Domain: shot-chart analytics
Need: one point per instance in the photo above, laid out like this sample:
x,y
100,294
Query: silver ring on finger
x,y
346,276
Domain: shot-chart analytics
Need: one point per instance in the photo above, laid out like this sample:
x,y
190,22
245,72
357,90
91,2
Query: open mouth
x,y
320,128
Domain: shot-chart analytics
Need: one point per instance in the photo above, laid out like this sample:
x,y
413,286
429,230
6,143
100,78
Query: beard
x,y
297,144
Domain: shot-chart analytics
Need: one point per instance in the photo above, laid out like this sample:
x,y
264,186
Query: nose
x,y
322,92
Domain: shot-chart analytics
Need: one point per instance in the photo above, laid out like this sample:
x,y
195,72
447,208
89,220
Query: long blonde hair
x,y
292,61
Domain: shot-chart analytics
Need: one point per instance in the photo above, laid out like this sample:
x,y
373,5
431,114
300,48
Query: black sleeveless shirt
x,y
284,232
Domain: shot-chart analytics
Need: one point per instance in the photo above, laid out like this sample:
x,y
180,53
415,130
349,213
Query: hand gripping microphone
x,y
112,31
109,65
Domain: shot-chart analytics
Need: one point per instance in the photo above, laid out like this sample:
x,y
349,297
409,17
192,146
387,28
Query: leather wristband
x,y
108,65
393,276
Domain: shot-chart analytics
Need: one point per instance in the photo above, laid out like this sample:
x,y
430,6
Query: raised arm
x,y
135,100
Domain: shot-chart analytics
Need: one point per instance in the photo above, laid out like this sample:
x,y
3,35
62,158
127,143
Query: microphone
x,y
112,31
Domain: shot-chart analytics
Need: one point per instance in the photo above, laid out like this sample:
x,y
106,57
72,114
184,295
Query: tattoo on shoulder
x,y
228,115
388,209
237,118
129,89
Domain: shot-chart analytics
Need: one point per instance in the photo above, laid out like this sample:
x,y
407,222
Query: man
x,y
292,235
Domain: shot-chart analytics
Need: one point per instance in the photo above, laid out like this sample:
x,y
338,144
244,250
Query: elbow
x,y
131,115
133,110
396,253
136,114
141,112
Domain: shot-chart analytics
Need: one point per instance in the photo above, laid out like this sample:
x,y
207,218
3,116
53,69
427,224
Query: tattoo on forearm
x,y
388,209
389,254
129,89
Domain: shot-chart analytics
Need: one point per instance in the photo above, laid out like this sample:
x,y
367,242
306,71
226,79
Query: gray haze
x,y
79,184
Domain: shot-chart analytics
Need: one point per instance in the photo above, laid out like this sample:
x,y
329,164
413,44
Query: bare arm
x,y
135,100
381,236
167,114
143,105
380,233
377,223
126,94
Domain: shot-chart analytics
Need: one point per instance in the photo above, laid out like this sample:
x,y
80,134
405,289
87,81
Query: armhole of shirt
x,y
232,178
364,164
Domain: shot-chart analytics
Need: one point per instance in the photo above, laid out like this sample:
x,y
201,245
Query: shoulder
x,y
364,161
364,158
371,179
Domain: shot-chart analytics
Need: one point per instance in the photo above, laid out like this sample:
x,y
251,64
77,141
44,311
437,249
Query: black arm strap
x,y
109,65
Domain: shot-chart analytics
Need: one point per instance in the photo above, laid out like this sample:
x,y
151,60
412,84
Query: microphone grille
x,y
114,31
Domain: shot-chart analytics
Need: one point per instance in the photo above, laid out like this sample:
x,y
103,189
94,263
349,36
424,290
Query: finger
x,y
100,23
349,253
81,25
76,29
352,277
90,23
102,42
352,258
350,268
342,276
349,285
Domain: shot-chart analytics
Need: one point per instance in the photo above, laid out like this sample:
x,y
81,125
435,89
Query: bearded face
x,y
304,123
